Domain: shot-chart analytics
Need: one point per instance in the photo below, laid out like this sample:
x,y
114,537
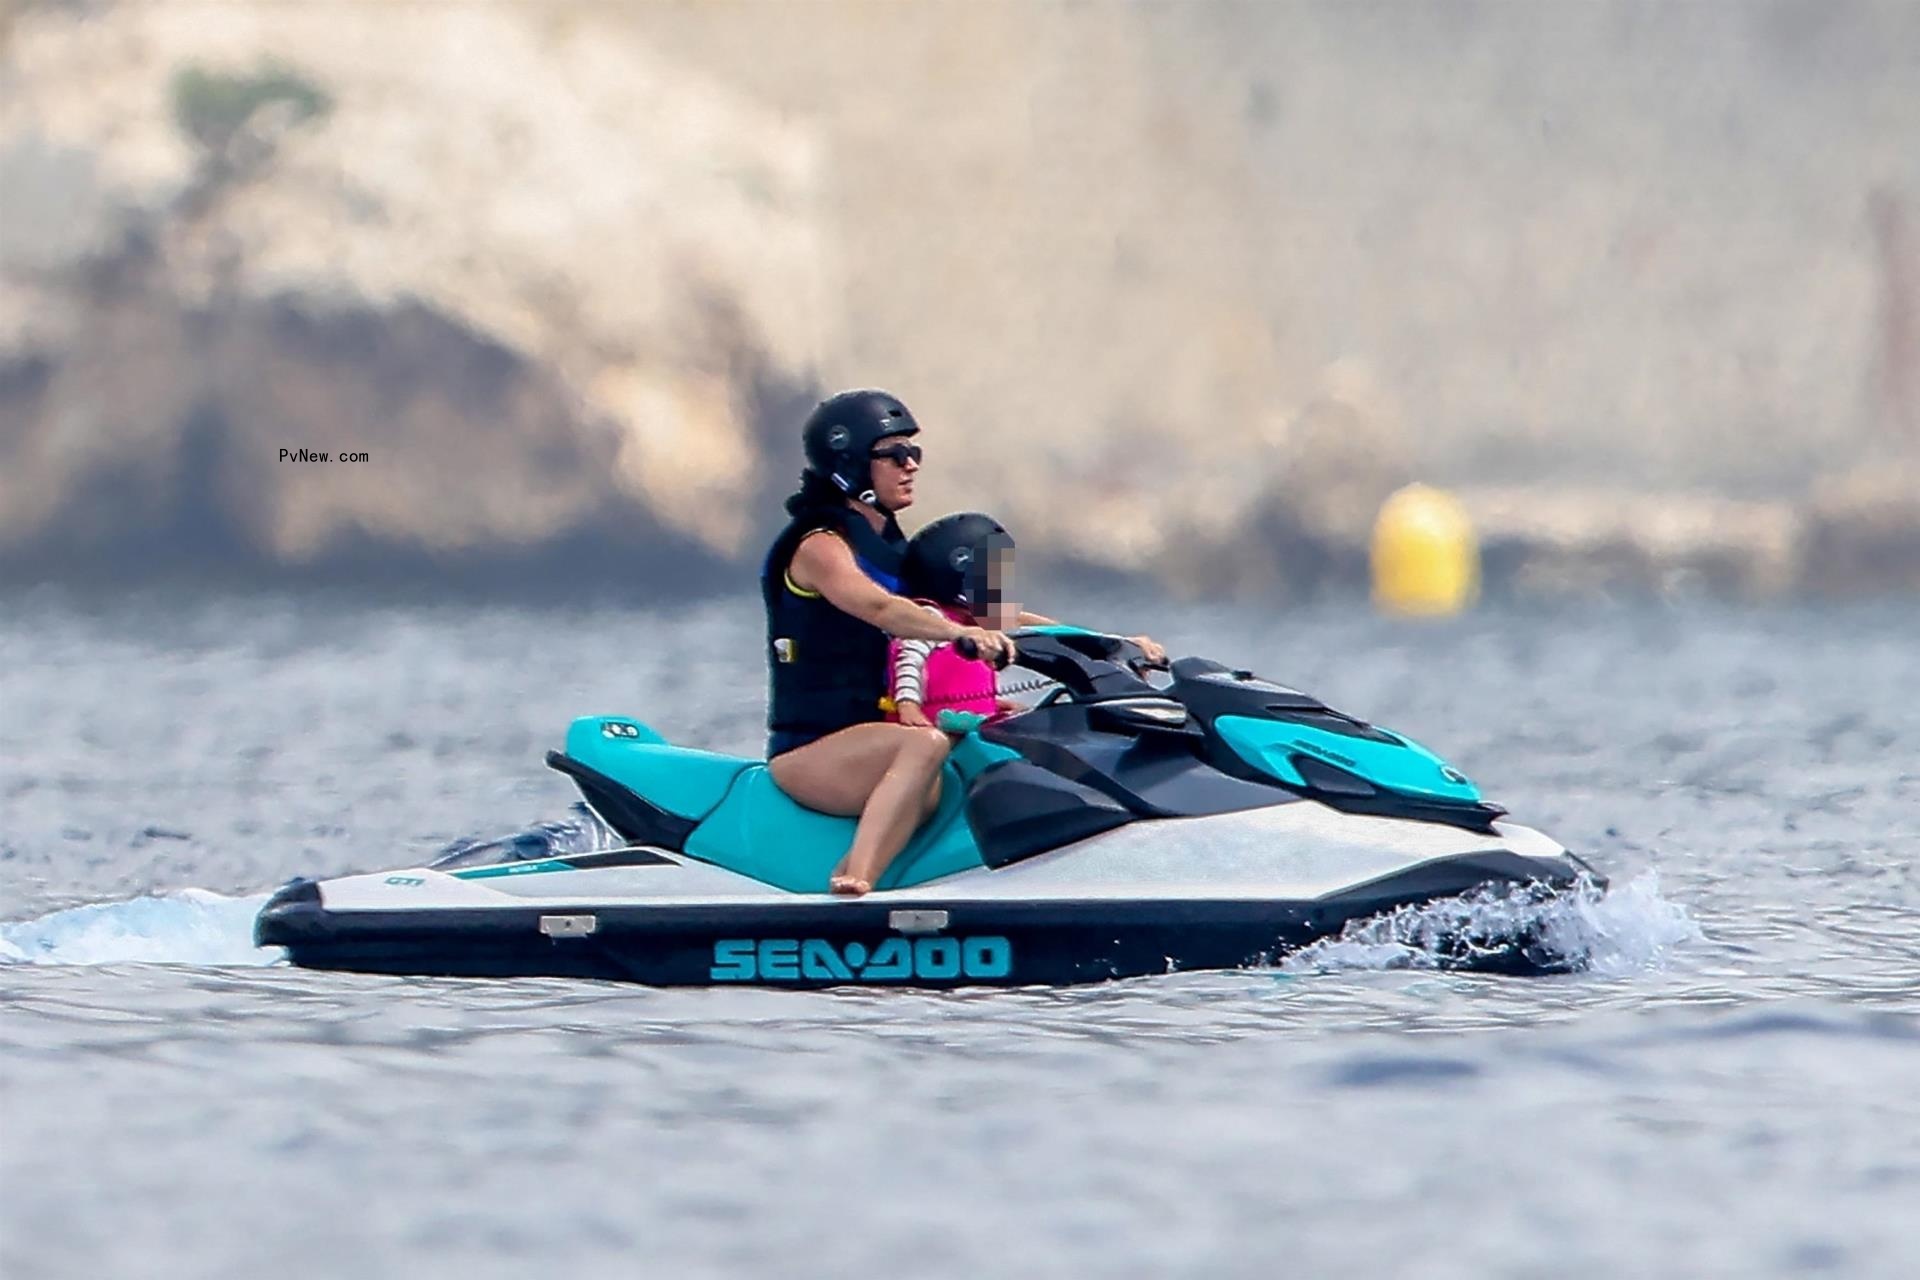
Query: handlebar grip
x,y
967,648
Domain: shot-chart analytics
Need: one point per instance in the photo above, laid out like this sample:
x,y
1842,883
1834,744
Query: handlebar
x,y
968,649
1089,664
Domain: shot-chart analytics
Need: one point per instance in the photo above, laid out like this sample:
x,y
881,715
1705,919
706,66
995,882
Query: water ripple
x,y
1720,1088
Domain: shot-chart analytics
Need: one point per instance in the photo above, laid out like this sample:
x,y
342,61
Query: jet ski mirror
x,y
1137,715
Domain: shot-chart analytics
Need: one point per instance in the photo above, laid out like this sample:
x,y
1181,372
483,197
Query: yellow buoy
x,y
1426,560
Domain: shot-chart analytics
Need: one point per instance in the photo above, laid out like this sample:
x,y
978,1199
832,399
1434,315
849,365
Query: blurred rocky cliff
x,y
1181,290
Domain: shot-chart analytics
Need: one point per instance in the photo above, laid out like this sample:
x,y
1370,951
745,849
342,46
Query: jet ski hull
x,y
1076,916
1114,829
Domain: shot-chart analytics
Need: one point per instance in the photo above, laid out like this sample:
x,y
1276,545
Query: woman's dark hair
x,y
815,492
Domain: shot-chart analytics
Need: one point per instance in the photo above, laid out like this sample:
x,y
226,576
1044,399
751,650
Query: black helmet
x,y
843,429
951,560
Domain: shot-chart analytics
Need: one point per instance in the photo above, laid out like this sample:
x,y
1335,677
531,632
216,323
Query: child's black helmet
x,y
951,560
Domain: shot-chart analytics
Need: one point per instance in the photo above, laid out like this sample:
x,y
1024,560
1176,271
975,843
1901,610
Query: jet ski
x,y
1116,827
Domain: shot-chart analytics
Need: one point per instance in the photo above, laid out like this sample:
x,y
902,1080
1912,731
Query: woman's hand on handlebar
x,y
1152,652
987,645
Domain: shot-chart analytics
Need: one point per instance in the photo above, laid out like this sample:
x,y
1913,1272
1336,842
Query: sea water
x,y
1730,1086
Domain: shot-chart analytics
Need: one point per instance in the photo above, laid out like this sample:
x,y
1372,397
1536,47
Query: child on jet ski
x,y
960,568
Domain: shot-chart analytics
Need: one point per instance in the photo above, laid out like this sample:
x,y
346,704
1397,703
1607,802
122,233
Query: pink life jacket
x,y
951,682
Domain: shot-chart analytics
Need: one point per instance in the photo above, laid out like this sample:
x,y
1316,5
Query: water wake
x,y
190,927
1630,929
200,927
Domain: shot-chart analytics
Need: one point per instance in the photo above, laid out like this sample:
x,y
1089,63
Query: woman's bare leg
x,y
908,794
888,774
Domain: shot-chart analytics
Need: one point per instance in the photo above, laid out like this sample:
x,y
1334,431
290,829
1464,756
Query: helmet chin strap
x,y
866,496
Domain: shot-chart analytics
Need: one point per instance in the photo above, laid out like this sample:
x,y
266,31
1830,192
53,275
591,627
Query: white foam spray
x,y
190,927
1629,929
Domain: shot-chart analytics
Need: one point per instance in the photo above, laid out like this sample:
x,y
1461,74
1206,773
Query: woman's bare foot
x,y
843,879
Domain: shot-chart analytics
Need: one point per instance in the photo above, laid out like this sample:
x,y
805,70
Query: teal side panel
x,y
972,755
1262,744
943,845
1404,766
680,780
761,832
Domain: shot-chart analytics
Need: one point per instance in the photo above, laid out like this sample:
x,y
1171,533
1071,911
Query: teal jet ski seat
x,y
746,824
762,832
686,783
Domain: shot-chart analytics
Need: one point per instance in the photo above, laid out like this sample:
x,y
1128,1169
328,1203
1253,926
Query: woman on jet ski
x,y
831,586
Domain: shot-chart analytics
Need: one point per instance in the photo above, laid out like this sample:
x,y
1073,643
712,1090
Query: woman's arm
x,y
826,564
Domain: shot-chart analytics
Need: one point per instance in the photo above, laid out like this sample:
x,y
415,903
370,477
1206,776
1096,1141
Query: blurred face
x,y
895,462
1002,611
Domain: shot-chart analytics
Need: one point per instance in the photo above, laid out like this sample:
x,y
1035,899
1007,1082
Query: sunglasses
x,y
899,454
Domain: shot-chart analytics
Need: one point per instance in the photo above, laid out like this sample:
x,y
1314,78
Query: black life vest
x,y
826,669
